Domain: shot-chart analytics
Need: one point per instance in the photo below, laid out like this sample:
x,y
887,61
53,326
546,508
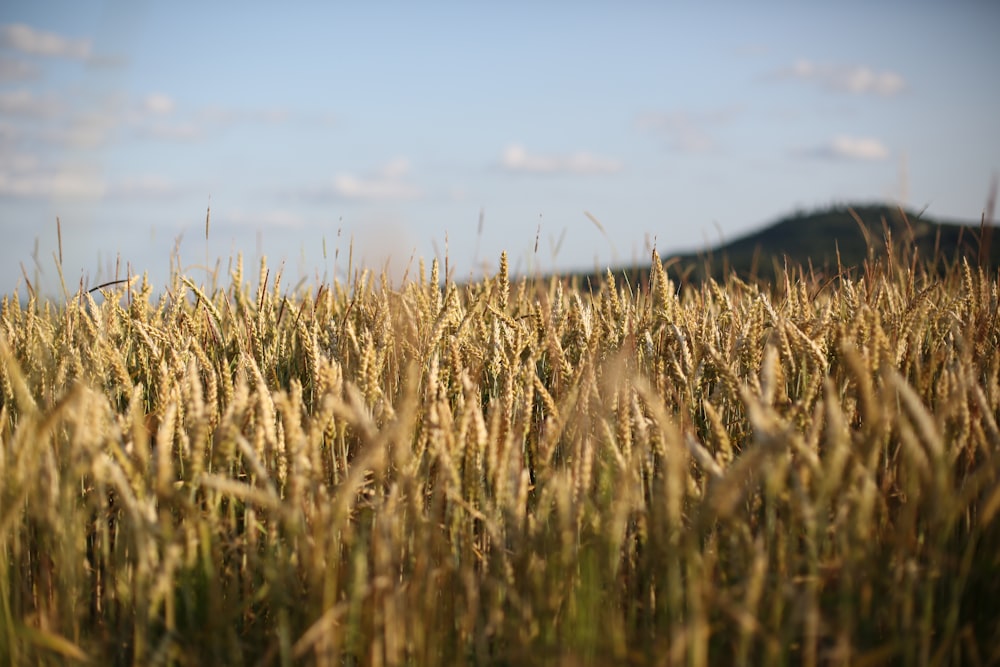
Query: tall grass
x,y
506,472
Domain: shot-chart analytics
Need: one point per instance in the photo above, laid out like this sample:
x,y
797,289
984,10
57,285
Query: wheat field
x,y
511,471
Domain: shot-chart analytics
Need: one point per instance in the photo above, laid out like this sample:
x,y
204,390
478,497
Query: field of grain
x,y
507,472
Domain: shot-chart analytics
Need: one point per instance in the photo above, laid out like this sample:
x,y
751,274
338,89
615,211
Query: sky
x,y
572,135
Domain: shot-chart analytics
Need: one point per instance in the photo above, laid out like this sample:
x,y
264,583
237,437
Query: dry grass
x,y
504,473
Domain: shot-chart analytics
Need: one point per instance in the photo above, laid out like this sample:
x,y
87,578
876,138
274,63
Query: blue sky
x,y
420,129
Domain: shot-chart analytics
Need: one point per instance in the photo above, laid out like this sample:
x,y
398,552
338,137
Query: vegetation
x,y
510,472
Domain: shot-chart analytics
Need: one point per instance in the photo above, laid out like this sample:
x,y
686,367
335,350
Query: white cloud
x,y
25,175
275,218
217,115
687,131
13,69
750,49
850,148
171,131
147,186
682,132
352,187
155,117
516,158
274,116
11,137
71,183
26,39
82,119
389,183
158,104
53,121
396,168
853,79
88,130
326,119
18,162
859,148
27,103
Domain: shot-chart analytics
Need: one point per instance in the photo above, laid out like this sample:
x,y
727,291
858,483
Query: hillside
x,y
815,239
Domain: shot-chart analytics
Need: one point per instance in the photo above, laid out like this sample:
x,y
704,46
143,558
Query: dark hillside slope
x,y
814,240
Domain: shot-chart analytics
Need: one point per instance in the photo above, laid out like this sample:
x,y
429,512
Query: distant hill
x,y
814,239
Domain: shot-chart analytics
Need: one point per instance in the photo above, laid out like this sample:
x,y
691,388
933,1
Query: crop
x,y
512,471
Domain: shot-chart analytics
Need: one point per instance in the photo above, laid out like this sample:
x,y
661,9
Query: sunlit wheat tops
x,y
505,472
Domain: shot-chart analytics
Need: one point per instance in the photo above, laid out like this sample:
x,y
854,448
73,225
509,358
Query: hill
x,y
817,239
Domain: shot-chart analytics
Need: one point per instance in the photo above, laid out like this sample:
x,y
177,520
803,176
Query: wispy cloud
x,y
10,137
32,176
18,161
14,69
90,129
27,177
156,116
516,158
39,183
388,183
171,131
158,104
28,40
59,120
73,121
680,130
280,218
28,103
145,186
78,118
852,79
686,131
222,116
751,49
848,148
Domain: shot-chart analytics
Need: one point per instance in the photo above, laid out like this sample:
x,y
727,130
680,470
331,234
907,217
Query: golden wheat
x,y
509,471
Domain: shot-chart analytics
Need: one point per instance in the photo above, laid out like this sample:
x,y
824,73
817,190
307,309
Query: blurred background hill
x,y
825,241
